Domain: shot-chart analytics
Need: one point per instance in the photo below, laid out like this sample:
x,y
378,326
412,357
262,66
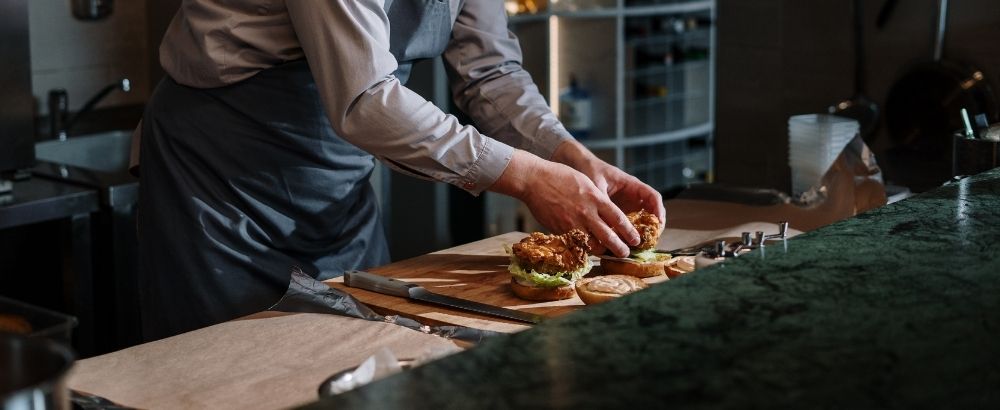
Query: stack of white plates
x,y
814,142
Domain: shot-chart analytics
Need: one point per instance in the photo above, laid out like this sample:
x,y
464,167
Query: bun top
x,y
649,229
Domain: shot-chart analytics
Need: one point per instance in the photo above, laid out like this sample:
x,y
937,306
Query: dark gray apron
x,y
241,183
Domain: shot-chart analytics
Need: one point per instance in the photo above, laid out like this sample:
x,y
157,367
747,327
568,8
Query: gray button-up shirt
x,y
212,43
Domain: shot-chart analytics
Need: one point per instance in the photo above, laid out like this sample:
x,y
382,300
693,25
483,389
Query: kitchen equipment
x,y
883,14
814,143
92,10
40,323
722,249
923,109
747,242
33,373
859,107
16,99
389,286
971,156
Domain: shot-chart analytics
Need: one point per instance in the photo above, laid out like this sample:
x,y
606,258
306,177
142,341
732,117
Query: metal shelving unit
x,y
649,66
630,54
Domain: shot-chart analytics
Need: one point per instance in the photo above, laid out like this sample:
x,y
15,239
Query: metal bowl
x,y
33,373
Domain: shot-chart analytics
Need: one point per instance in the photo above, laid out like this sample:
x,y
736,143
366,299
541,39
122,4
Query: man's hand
x,y
561,199
626,191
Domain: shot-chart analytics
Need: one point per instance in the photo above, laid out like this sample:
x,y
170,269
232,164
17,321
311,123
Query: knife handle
x,y
377,283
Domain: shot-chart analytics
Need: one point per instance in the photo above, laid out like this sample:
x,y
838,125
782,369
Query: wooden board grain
x,y
475,271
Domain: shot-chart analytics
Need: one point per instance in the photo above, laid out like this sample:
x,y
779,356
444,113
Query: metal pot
x,y
33,373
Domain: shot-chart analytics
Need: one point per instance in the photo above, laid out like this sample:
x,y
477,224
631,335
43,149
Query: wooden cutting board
x,y
475,271
478,271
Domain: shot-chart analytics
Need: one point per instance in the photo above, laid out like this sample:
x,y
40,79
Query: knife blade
x,y
395,287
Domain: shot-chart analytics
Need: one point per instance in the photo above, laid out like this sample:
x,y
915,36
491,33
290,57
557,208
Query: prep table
x,y
864,310
275,359
896,307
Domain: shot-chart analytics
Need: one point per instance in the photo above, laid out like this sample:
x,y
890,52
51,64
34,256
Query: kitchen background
x,y
738,69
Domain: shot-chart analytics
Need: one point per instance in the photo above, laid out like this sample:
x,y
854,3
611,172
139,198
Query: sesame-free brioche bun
x,y
633,267
541,294
679,265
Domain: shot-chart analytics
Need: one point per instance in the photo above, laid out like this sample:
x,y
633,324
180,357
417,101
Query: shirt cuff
x,y
492,161
547,140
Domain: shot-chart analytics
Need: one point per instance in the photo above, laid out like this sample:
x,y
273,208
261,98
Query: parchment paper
x,y
265,361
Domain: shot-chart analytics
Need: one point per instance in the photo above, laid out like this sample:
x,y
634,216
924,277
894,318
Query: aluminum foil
x,y
308,295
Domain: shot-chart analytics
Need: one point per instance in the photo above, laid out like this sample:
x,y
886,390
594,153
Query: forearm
x,y
368,107
516,178
576,156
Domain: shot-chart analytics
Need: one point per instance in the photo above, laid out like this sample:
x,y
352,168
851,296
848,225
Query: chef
x,y
257,148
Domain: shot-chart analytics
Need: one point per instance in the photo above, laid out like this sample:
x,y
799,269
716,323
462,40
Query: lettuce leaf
x,y
648,255
545,280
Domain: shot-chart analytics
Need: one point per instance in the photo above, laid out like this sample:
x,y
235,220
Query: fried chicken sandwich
x,y
545,267
643,260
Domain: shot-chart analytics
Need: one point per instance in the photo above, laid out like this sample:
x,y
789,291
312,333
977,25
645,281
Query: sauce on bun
x,y
600,289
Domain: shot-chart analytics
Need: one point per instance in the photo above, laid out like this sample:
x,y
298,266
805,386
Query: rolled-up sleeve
x,y
346,43
490,85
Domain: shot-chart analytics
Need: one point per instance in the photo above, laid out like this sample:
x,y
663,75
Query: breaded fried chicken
x,y
648,226
553,253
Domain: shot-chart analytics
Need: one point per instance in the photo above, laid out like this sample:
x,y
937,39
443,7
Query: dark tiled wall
x,y
84,56
778,58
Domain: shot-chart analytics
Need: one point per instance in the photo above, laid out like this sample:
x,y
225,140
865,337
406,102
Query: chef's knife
x,y
395,287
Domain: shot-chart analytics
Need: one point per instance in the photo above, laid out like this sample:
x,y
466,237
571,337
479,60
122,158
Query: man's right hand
x,y
561,199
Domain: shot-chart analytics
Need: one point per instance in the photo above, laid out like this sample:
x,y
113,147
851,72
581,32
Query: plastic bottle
x,y
576,109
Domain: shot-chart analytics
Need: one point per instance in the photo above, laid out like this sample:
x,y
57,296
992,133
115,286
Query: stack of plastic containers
x,y
814,142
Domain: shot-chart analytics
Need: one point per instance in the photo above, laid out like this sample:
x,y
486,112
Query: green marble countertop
x,y
897,307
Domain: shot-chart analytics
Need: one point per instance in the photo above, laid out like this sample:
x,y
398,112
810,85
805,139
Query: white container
x,y
814,143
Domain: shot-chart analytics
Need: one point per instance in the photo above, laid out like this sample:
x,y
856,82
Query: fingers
x,y
618,222
608,238
654,204
562,198
633,195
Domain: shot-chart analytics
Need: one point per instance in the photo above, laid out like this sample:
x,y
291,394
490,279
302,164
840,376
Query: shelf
x,y
639,103
631,11
671,136
675,8
667,69
652,165
700,130
527,18
663,39
652,119
604,143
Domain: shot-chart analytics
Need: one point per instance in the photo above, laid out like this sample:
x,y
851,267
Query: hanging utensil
x,y
923,110
859,107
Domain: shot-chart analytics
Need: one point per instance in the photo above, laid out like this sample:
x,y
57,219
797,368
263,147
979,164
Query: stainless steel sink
x,y
97,160
103,152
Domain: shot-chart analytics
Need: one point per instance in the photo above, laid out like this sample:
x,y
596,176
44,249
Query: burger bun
x,y
633,268
600,289
541,294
